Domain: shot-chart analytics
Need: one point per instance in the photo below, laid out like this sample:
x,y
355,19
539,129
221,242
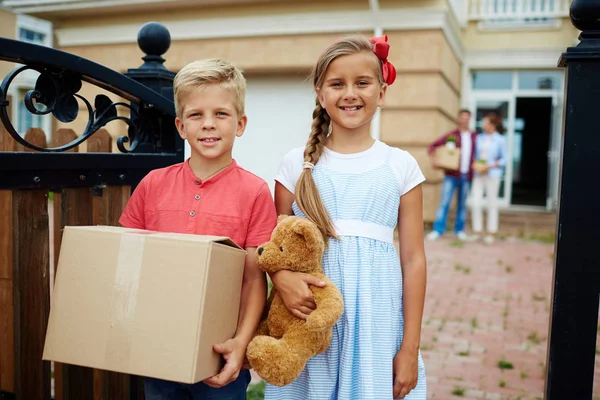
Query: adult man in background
x,y
458,180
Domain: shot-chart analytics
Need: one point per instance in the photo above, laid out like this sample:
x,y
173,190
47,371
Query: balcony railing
x,y
518,10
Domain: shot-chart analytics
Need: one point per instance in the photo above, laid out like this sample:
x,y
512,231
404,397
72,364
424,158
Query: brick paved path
x,y
486,318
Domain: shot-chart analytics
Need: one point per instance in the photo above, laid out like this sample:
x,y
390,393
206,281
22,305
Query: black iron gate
x,y
47,186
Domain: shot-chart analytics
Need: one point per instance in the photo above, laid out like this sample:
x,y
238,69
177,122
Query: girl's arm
x,y
293,286
413,261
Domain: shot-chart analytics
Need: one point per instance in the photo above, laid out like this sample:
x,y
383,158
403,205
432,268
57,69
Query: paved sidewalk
x,y
486,319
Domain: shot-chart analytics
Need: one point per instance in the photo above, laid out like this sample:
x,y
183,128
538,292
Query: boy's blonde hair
x,y
198,74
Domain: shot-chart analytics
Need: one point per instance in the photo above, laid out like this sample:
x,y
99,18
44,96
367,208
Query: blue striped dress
x,y
362,193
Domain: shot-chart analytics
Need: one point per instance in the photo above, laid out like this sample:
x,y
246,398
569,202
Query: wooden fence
x,y
31,222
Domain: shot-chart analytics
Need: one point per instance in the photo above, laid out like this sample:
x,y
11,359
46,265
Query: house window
x,y
32,36
27,120
35,31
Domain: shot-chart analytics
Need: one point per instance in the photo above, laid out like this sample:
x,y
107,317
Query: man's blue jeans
x,y
157,389
449,186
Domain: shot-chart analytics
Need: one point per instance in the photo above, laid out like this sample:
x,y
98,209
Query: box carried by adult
x,y
447,157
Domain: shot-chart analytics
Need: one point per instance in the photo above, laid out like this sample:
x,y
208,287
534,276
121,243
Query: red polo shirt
x,y
234,203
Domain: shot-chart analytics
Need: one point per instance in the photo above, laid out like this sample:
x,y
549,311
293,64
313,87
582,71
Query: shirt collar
x,y
197,181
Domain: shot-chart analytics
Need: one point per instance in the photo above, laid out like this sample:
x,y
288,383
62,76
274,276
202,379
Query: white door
x,y
279,113
504,105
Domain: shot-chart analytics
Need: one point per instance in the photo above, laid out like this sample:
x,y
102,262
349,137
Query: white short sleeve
x,y
406,169
291,168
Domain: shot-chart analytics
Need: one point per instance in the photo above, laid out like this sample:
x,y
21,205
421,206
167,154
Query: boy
x,y
210,194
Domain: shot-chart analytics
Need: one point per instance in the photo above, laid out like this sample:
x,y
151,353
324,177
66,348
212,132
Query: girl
x,y
357,190
490,150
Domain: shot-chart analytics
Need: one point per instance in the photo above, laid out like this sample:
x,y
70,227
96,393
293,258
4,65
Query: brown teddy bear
x,y
284,343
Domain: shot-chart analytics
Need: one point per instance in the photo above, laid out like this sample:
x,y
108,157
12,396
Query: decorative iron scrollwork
x,y
56,93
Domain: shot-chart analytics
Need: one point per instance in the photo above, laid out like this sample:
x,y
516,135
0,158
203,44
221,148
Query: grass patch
x,y
508,269
523,375
474,323
459,391
533,338
457,243
256,391
502,383
442,325
537,297
463,353
503,364
546,238
462,268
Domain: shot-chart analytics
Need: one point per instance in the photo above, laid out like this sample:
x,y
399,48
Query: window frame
x,y
26,79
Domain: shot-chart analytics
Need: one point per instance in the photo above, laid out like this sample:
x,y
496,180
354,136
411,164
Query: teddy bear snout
x,y
260,250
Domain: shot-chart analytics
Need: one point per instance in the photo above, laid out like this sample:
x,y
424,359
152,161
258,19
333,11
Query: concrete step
x,y
537,225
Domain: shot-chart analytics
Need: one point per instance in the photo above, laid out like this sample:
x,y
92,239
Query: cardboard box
x,y
145,303
447,158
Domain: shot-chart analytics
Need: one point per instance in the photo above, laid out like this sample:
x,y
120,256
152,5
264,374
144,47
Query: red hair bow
x,y
381,48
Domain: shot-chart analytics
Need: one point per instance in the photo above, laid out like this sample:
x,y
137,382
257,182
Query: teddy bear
x,y
284,343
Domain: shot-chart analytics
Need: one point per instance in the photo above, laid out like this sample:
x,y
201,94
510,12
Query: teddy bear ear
x,y
281,217
311,233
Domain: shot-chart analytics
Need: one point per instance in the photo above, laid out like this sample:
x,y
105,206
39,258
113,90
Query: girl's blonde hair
x,y
306,192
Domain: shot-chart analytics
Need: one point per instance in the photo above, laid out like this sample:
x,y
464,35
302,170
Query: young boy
x,y
209,194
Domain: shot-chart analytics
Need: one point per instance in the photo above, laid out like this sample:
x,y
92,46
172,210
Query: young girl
x,y
490,150
357,190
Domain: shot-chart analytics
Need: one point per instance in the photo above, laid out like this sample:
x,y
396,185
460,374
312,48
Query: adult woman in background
x,y
490,152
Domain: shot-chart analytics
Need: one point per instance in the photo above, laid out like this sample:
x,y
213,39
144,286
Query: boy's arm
x,y
133,214
252,302
254,290
254,296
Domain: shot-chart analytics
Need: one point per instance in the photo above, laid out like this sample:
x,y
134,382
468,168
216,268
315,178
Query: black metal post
x,y
574,319
154,40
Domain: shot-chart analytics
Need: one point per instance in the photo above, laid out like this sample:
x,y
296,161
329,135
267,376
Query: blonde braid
x,y
307,193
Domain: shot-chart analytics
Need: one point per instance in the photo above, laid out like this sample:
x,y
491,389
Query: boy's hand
x,y
233,352
295,293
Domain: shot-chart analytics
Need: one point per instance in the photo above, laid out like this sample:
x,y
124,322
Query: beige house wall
x,y
419,106
8,29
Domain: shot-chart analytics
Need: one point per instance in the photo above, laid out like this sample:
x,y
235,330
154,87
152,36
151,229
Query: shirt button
x,y
197,197
197,182
192,213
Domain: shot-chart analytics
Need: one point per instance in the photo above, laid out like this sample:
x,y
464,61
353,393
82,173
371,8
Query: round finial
x,y
585,15
154,39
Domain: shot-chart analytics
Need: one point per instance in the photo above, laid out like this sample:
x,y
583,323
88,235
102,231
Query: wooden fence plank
x,y
7,352
100,142
7,143
64,136
31,292
35,136
57,236
6,231
76,209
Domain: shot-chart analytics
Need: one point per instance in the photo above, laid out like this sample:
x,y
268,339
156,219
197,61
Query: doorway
x,y
531,146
